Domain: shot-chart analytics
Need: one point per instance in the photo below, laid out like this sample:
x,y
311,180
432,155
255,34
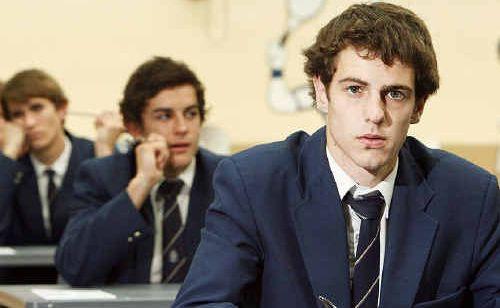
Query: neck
x,y
52,152
170,172
362,176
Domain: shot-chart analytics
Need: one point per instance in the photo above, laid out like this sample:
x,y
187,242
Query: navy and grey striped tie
x,y
174,257
366,278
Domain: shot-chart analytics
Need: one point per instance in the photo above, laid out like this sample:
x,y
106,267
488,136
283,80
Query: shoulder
x,y
209,157
440,167
110,166
271,158
110,173
83,146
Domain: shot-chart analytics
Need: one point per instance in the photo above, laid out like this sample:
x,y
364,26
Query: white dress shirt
x,y
59,167
345,184
187,176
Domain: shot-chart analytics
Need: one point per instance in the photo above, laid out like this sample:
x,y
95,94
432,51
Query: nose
x,y
29,120
375,110
180,125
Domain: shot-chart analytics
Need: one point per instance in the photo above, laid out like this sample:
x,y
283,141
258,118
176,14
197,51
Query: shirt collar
x,y
187,176
345,183
59,166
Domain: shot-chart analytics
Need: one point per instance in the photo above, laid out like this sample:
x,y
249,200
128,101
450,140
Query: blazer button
x,y
18,177
130,239
137,233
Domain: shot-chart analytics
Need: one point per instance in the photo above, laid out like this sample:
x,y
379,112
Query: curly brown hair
x,y
152,77
31,83
385,30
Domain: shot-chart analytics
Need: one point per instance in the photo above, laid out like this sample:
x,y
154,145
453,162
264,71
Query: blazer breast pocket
x,y
454,300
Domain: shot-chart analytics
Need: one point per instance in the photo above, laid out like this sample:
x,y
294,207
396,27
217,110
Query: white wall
x,y
92,46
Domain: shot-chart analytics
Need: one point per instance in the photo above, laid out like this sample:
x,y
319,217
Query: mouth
x,y
33,136
179,148
372,141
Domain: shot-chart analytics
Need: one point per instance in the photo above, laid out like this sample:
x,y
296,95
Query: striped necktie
x,y
366,280
174,257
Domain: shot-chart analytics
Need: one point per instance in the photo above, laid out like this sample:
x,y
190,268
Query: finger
x,y
161,156
155,137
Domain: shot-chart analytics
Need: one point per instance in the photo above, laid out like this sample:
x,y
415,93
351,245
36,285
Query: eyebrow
x,y
397,87
166,109
384,88
352,79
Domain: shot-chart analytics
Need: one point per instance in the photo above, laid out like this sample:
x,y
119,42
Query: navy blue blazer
x,y
107,240
275,234
21,220
20,206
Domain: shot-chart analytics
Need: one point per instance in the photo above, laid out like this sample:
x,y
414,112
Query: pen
x,y
326,302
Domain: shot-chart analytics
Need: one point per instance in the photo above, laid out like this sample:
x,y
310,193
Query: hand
x,y
109,126
12,139
151,157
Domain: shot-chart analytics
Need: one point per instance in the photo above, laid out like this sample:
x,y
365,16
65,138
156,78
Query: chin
x,y
372,164
37,146
180,162
379,166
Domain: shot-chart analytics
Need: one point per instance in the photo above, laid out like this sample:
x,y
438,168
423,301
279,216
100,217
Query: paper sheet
x,y
60,294
7,251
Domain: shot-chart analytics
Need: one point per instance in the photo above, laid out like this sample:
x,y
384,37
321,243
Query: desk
x,y
141,295
27,256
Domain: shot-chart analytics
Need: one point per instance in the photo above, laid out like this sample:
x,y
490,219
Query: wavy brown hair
x,y
385,30
152,77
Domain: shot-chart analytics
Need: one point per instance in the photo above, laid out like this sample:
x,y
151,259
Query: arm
x,y
8,177
96,237
109,126
227,261
12,140
486,264
103,227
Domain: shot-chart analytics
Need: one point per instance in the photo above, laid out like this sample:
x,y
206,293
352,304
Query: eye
x,y
396,95
16,114
192,113
354,89
163,116
36,107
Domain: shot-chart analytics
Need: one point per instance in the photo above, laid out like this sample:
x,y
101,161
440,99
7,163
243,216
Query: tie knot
x,y
369,206
169,189
50,173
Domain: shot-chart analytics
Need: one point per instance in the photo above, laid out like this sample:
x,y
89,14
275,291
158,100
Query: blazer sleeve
x,y
486,263
99,231
227,261
8,176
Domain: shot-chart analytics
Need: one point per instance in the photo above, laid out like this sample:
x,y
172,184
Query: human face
x,y
41,122
370,106
174,114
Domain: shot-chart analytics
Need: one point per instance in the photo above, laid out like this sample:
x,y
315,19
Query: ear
x,y
62,111
321,95
134,129
417,112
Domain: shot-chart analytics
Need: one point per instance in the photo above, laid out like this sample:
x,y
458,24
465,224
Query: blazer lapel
x,y
29,206
60,207
200,197
410,235
320,224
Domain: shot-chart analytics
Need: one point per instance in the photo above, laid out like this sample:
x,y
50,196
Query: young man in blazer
x,y
124,228
357,214
38,161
